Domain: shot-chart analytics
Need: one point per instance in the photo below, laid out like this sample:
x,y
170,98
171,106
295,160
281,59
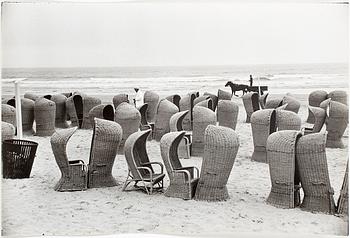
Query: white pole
x,y
259,85
18,110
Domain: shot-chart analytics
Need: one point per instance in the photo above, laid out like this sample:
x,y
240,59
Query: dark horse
x,y
237,87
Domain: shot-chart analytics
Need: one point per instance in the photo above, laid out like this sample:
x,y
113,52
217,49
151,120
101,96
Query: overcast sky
x,y
176,33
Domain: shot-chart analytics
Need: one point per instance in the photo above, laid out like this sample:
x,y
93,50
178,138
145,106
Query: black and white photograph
x,y
174,118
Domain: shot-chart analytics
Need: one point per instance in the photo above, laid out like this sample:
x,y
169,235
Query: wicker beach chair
x,y
175,124
104,145
175,98
221,147
251,104
61,114
293,105
8,114
325,103
336,123
44,115
140,169
262,100
285,181
7,131
186,103
206,103
102,111
214,98
67,94
338,96
31,96
183,180
263,124
287,120
319,117
343,200
202,117
227,113
129,118
164,112
200,99
224,95
88,103
273,103
152,99
313,170
27,110
119,98
315,98
144,125
74,172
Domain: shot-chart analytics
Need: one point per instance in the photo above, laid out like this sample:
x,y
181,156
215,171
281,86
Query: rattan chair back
x,y
152,99
262,100
44,115
8,114
7,131
119,98
175,122
293,105
273,103
61,113
343,201
102,111
227,113
144,125
251,104
224,95
31,96
221,147
287,120
339,96
214,98
175,98
319,117
315,98
164,112
186,103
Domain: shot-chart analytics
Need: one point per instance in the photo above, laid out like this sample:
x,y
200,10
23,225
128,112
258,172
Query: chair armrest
x,y
149,171
158,163
79,161
185,172
190,168
187,141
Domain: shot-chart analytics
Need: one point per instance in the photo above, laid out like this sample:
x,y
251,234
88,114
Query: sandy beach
x,y
31,207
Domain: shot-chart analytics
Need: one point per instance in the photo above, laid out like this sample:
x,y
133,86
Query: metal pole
x,y
259,85
18,110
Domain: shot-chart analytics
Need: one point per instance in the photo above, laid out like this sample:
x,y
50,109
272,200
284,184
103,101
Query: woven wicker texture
x,y
74,107
224,95
206,103
61,114
287,120
227,113
139,166
214,98
164,112
339,96
315,98
186,103
202,117
273,103
293,105
44,115
200,99
129,118
313,171
221,147
336,123
183,180
285,181
343,201
27,110
102,111
119,98
319,117
88,104
74,173
263,124
152,99
7,131
8,114
251,103
175,124
175,98
262,100
324,104
31,96
105,141
144,125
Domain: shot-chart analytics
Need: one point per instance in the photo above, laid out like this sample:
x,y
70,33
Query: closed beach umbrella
x,y
44,115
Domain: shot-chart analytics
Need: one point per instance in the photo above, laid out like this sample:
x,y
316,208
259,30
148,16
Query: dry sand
x,y
31,207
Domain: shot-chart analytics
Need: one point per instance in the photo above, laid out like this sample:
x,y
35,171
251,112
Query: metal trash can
x,y
17,158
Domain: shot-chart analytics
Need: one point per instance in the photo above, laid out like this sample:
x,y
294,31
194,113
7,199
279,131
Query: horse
x,y
237,87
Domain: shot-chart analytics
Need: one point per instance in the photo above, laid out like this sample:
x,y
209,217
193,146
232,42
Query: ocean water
x,y
106,82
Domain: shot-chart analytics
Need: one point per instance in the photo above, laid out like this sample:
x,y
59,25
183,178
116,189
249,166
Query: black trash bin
x,y
17,158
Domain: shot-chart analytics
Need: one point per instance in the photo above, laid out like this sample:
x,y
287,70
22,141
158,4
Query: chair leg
x,y
127,181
